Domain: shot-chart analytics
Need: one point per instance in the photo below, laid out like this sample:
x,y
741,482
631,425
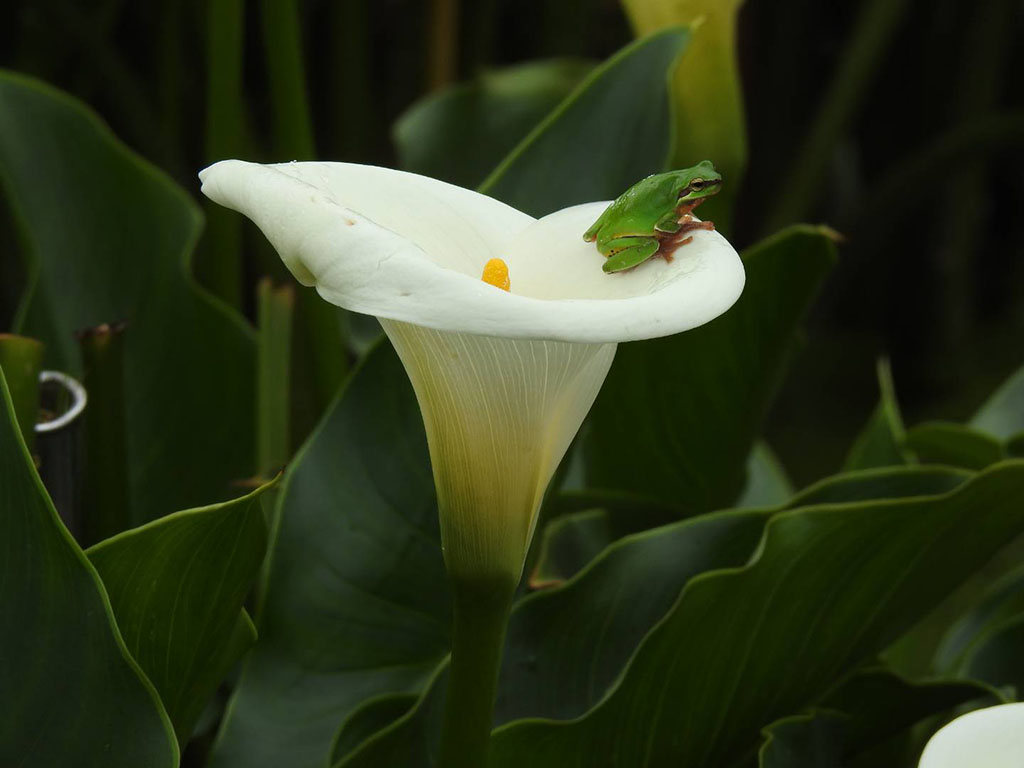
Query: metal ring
x,y
78,401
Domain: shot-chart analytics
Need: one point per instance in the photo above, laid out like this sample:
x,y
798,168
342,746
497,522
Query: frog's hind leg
x,y
637,251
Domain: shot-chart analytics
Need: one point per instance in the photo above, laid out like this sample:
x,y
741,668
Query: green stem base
x,y
480,620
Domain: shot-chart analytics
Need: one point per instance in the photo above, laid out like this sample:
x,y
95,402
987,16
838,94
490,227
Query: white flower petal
x,y
454,227
499,415
985,738
400,246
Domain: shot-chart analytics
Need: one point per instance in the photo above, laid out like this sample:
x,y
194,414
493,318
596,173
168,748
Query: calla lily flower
x,y
986,738
505,368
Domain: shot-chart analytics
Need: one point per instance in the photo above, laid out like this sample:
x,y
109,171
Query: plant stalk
x,y
479,624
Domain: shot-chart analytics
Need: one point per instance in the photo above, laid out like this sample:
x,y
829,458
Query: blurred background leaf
x,y
623,102
707,95
108,238
460,134
881,443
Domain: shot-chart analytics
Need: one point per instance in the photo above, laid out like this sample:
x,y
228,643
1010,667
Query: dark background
x,y
925,179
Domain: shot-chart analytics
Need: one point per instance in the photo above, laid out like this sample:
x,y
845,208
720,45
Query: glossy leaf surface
x,y
830,586
176,587
355,601
568,645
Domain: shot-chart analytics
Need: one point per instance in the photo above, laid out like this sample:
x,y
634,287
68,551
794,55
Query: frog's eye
x,y
697,184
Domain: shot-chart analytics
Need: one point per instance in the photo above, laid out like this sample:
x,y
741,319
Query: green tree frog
x,y
653,217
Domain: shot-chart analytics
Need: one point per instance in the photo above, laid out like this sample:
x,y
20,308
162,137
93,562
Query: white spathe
x,y
504,378
986,738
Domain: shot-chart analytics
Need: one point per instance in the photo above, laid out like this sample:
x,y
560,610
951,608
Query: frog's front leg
x,y
628,252
669,223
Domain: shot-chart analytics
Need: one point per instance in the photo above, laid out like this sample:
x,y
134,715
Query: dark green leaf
x,y
813,740
373,716
830,587
880,443
998,656
21,360
176,587
1002,602
608,134
880,704
1002,415
355,602
567,644
767,484
938,442
677,417
108,238
460,134
862,714
72,695
567,544
881,483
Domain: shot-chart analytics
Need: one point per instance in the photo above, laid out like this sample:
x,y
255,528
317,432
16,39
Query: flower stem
x,y
480,620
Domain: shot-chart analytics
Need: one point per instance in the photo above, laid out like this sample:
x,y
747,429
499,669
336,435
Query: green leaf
x,y
72,693
565,647
881,483
567,544
1001,602
998,656
939,442
177,586
21,361
568,644
799,741
461,133
830,587
863,713
677,417
355,602
107,239
707,95
608,134
880,443
1002,415
767,483
373,716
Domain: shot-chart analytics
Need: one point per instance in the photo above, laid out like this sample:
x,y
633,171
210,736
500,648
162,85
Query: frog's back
x,y
640,207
